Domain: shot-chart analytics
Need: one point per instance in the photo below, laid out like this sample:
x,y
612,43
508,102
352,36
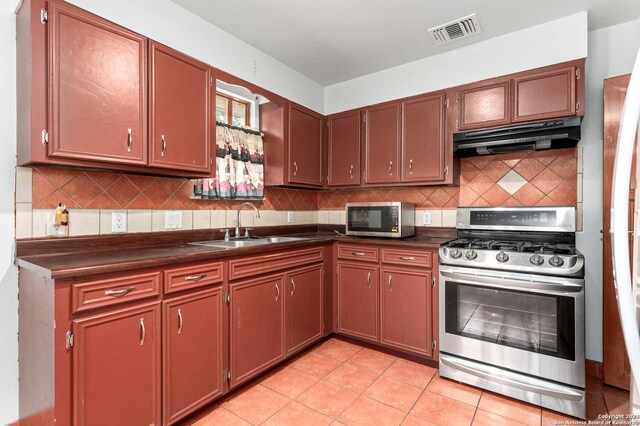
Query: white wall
x,y
8,272
546,44
170,24
612,51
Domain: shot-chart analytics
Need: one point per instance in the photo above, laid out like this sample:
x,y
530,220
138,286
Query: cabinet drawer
x,y
256,265
407,257
178,279
113,291
361,253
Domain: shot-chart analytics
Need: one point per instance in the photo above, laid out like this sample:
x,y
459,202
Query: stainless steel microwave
x,y
384,219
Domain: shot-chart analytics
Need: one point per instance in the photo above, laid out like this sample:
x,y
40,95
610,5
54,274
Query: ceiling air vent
x,y
454,30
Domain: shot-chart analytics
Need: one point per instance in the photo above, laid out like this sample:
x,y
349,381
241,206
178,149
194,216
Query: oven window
x,y
522,320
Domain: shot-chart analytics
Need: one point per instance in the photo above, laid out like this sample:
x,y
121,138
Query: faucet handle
x,y
226,234
246,232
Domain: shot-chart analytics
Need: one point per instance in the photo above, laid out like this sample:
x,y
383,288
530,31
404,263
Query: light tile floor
x,y
340,383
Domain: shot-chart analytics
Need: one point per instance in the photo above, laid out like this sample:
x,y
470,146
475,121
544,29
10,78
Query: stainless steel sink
x,y
248,242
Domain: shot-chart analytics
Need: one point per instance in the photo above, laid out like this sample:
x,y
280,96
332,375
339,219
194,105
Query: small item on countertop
x,y
64,220
57,215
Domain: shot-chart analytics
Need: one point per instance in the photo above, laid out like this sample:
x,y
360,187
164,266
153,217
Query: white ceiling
x,y
336,40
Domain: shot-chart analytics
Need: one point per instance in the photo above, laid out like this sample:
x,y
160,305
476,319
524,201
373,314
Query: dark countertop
x,y
76,263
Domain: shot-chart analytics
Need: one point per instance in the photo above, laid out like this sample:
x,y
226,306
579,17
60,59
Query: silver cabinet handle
x,y
389,282
357,253
293,286
407,258
390,167
194,277
143,333
277,292
129,141
164,145
410,167
179,321
351,172
117,293
369,279
295,168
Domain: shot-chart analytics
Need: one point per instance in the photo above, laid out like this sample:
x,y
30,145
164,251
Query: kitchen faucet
x,y
238,217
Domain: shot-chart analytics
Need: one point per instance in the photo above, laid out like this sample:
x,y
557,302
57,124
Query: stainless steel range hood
x,y
560,133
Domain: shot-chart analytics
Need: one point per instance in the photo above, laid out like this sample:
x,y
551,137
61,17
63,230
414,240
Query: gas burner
x,y
505,245
544,248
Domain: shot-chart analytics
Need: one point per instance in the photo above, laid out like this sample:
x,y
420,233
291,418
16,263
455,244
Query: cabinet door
x,y
484,106
179,111
97,91
116,367
303,307
192,352
423,133
550,94
344,149
405,306
305,146
358,301
257,323
382,144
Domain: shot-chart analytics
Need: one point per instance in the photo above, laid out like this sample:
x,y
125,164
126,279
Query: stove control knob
x,y
456,253
471,254
502,257
536,259
556,261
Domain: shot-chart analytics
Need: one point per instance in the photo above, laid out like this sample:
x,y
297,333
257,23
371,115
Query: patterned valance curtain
x,y
239,165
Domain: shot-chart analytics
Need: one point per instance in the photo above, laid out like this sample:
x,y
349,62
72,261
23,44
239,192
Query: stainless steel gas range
x,y
512,305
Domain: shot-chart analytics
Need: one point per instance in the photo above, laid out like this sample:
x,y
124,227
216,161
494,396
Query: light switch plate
x,y
289,217
426,218
119,221
173,220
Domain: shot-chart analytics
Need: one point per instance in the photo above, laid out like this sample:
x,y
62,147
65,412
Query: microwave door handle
x,y
623,283
503,283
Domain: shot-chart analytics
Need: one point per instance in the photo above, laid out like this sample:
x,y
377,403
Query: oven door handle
x,y
499,282
494,375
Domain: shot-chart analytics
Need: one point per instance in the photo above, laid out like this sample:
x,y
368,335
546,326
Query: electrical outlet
x,y
173,220
119,222
177,220
289,217
426,218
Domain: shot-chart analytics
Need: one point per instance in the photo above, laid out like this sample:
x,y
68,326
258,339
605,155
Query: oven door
x,y
529,324
378,220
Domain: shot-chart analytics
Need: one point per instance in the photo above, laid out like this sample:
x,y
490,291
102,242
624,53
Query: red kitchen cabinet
x,y
97,106
423,139
180,121
406,310
382,144
358,301
305,146
549,94
257,326
192,352
116,367
484,105
344,149
303,307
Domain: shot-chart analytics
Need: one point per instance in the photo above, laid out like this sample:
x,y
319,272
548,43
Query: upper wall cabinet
x,y
97,91
382,143
545,93
343,149
180,117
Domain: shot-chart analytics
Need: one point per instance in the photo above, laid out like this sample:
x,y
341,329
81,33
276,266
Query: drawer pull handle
x,y
117,293
143,333
194,277
369,279
179,321
356,253
407,258
277,292
293,286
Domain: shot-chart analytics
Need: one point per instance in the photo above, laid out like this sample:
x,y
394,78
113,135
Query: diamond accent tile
x,y
512,182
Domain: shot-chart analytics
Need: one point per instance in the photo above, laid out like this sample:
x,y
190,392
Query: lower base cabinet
x,y
116,367
303,307
358,301
193,352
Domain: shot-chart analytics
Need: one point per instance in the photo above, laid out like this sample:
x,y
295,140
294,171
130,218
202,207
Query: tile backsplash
x,y
544,178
